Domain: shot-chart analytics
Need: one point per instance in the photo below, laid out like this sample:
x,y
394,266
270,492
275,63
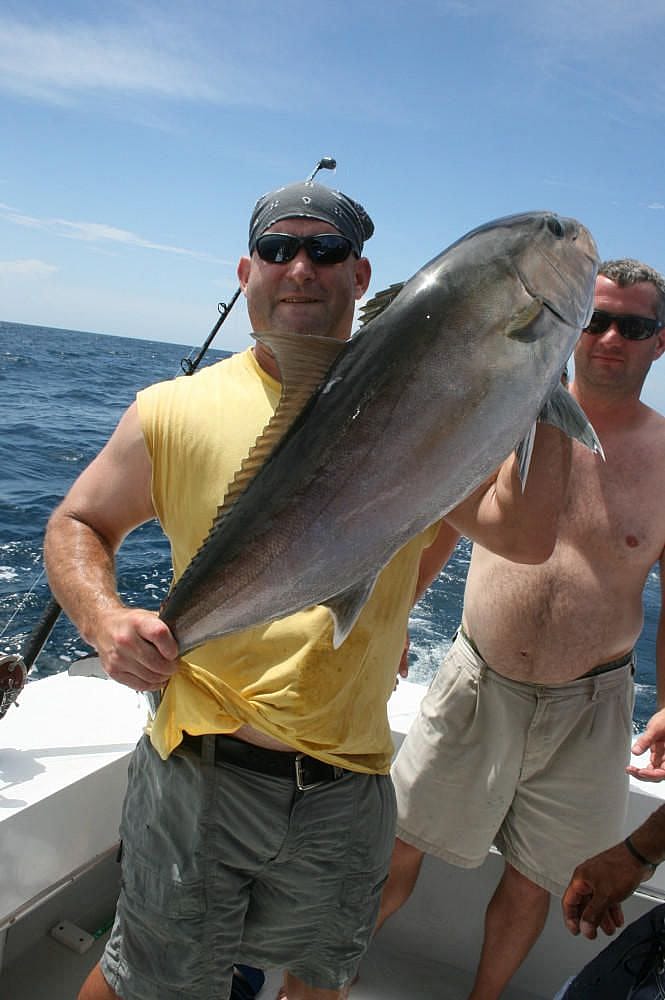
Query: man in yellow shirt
x,y
259,818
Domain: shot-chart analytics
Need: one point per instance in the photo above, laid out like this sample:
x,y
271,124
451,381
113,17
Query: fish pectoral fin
x,y
381,301
521,326
523,452
563,411
346,607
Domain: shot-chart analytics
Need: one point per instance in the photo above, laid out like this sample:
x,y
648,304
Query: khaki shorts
x,y
223,865
538,771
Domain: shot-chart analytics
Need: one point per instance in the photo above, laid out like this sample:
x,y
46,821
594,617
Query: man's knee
x,y
295,989
521,885
404,870
96,988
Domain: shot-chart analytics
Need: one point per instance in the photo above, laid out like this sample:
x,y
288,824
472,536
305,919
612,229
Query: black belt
x,y
602,668
305,771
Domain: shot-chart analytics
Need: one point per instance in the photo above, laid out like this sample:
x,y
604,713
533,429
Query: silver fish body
x,y
420,407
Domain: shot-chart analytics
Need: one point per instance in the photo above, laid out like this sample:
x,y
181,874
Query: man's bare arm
x,y
660,637
517,524
653,737
653,740
600,884
435,557
432,561
110,498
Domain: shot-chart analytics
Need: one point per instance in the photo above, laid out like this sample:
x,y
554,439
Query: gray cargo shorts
x,y
223,865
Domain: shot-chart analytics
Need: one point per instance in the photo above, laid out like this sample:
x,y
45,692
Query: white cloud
x,y
139,57
29,267
657,206
99,232
53,63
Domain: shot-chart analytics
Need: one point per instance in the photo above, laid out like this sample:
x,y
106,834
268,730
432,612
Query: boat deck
x,y
427,951
61,784
386,974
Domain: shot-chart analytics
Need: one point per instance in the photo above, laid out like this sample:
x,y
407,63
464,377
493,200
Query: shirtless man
x,y
539,679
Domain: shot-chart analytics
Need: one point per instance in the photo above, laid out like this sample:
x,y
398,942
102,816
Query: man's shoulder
x,y
655,420
633,431
200,379
650,432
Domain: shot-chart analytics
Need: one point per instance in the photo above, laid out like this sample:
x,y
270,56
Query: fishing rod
x,y
15,667
325,163
189,365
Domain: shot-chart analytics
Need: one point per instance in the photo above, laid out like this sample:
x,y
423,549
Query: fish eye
x,y
555,227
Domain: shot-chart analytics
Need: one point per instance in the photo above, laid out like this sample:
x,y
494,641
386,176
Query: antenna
x,y
325,163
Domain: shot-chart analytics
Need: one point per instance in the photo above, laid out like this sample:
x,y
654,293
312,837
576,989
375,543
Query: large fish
x,y
366,449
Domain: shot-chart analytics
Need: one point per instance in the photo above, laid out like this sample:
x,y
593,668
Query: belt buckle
x,y
300,784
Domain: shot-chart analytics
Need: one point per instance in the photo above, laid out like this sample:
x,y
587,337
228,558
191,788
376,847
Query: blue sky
x,y
136,137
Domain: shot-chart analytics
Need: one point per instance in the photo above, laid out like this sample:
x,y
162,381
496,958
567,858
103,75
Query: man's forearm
x,y
516,523
435,557
81,571
532,511
660,661
649,838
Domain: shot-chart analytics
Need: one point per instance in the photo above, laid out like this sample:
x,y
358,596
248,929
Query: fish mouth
x,y
557,265
573,304
556,312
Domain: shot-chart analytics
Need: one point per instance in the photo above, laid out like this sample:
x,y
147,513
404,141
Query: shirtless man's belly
x,y
553,622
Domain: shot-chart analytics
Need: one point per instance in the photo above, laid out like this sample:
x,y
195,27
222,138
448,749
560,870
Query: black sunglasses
x,y
325,249
630,327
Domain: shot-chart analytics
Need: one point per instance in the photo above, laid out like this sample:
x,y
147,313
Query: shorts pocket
x,y
627,704
349,927
450,707
161,894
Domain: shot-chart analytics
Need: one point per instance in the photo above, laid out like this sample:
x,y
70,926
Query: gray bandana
x,y
307,200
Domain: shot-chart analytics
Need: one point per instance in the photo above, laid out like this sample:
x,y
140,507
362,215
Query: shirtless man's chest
x,y
553,622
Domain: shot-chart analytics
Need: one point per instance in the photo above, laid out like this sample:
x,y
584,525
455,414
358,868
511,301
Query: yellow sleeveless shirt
x,y
284,678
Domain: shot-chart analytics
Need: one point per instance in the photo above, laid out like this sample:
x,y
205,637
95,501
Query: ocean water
x,y
62,393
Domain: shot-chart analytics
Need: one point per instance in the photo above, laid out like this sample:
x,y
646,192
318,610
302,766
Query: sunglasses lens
x,y
599,322
277,248
637,327
630,327
327,248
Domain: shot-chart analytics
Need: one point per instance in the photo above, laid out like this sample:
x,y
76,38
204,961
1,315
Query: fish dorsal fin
x,y
303,363
380,302
346,607
563,411
521,325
